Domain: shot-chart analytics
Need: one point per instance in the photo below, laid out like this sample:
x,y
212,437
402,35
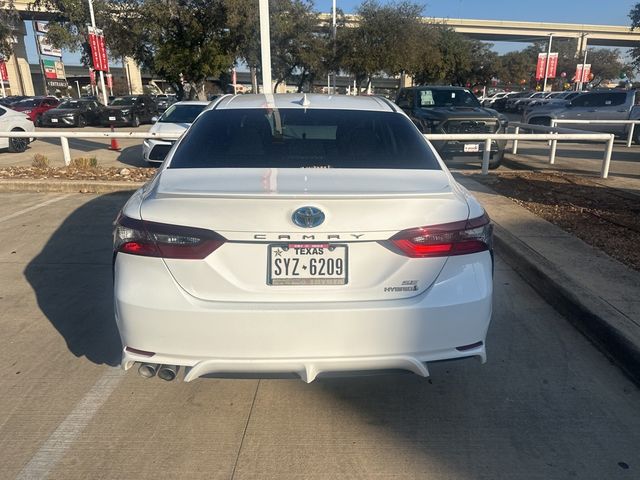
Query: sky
x,y
611,12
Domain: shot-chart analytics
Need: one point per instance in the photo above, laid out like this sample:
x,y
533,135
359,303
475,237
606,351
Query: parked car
x,y
11,99
12,121
520,104
175,120
489,100
131,111
556,98
440,109
510,105
34,107
73,113
500,103
163,101
595,105
318,235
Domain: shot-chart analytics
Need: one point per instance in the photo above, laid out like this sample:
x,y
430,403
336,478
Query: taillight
x,y
457,238
151,239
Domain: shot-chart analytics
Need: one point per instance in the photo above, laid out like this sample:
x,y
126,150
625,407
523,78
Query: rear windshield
x,y
297,138
181,113
123,101
446,98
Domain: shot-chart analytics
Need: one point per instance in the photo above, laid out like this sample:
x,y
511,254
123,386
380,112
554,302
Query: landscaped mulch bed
x,y
606,218
128,174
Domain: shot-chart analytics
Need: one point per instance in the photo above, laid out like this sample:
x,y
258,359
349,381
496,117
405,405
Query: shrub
x,y
40,161
84,162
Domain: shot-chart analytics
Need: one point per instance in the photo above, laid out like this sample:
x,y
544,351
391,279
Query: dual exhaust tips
x,y
165,372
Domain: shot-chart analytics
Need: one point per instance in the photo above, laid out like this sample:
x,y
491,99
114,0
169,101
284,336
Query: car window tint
x,y
297,138
181,113
615,99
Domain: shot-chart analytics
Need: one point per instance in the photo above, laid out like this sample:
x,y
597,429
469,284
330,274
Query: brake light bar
x,y
445,240
151,239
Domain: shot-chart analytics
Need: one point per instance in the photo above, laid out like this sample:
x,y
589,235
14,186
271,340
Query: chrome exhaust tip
x,y
148,370
168,372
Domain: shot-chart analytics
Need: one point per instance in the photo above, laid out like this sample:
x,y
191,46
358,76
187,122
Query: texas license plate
x,y
471,147
54,120
112,118
307,264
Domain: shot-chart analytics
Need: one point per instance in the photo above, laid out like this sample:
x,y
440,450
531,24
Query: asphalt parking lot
x,y
547,405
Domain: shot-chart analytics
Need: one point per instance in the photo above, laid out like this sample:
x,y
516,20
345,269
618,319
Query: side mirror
x,y
154,119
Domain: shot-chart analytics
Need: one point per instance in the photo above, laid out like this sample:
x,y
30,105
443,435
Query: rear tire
x,y
636,135
135,121
38,122
82,122
496,160
18,145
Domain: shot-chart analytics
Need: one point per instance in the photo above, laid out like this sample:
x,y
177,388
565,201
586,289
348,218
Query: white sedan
x,y
175,120
12,121
301,234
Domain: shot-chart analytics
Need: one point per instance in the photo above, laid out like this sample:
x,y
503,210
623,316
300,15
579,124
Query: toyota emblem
x,y
308,217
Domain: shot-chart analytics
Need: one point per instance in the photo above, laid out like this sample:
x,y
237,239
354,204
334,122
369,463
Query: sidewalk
x,y
598,294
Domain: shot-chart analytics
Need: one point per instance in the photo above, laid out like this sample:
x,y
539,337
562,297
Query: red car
x,y
34,107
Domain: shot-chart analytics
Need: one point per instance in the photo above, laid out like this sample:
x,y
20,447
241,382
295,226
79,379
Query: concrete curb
x,y
612,332
67,186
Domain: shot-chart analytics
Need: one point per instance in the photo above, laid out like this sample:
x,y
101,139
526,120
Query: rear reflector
x,y
448,239
151,239
464,348
144,353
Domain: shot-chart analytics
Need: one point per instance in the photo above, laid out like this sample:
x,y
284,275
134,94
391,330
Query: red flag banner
x,y
553,65
542,58
98,49
582,74
109,80
92,76
4,75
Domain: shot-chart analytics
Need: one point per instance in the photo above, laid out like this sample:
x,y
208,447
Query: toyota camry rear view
x,y
308,235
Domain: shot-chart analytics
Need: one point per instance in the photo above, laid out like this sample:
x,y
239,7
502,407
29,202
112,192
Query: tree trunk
x,y
303,76
254,79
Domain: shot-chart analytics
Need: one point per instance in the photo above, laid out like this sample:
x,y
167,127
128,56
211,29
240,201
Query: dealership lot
x,y
546,405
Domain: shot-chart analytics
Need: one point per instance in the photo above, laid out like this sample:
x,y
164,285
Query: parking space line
x,y
34,207
54,448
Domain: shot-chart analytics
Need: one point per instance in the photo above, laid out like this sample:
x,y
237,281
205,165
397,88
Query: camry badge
x,y
308,217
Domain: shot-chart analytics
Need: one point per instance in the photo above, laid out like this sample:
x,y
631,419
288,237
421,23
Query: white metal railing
x,y
563,134
552,134
65,136
632,125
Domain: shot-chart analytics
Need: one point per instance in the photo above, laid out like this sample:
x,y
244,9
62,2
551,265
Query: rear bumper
x,y
62,122
155,315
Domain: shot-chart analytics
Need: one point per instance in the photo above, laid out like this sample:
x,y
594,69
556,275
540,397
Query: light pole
x,y
333,28
584,61
265,46
102,87
546,65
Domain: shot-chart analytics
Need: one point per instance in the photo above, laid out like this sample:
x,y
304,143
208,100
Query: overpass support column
x,y
134,77
20,82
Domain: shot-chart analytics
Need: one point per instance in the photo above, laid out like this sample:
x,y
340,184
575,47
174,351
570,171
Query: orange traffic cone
x,y
114,143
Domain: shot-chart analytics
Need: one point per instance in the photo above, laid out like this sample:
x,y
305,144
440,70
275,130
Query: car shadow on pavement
x,y
132,156
81,144
73,283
